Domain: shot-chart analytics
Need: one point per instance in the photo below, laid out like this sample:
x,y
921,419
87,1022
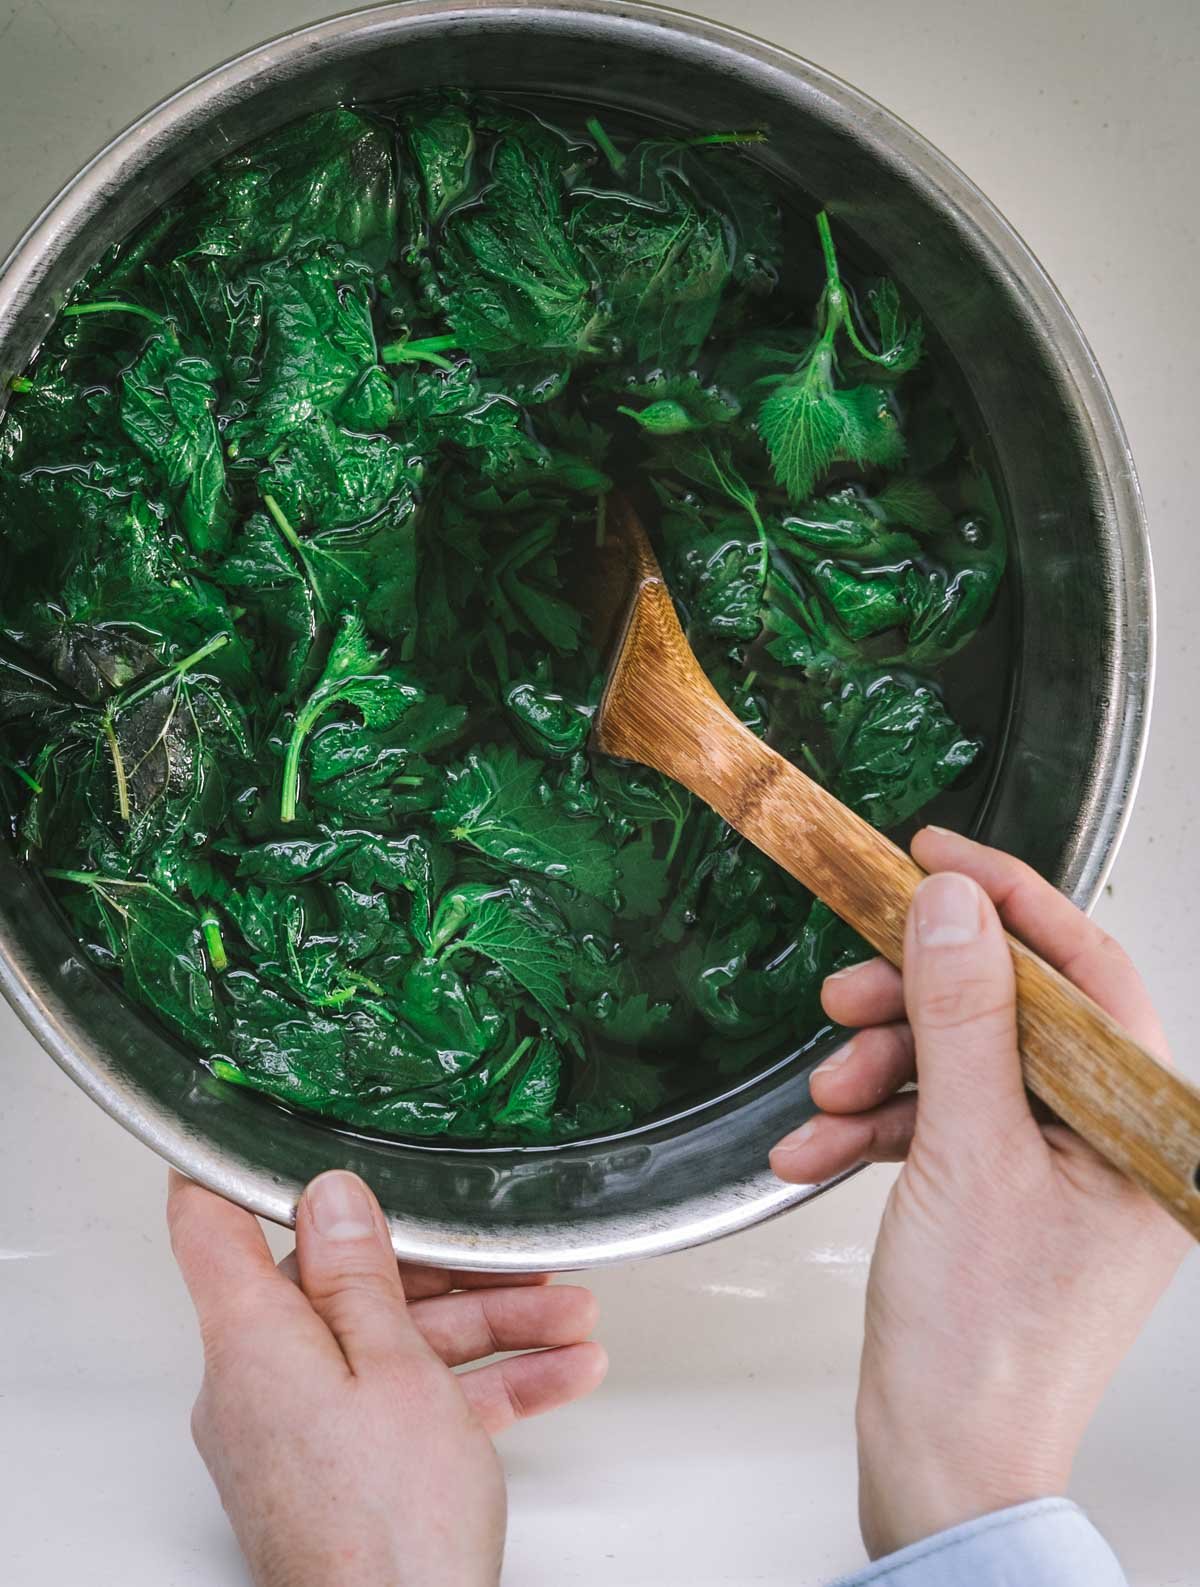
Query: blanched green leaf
x,y
318,357
533,1094
441,142
518,285
664,261
808,424
167,402
326,178
498,803
511,930
897,747
354,676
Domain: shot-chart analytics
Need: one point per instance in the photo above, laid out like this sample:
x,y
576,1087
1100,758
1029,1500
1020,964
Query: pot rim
x,y
1108,805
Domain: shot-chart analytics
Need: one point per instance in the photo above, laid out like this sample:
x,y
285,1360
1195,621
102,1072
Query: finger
x,y
475,1323
509,1391
1052,926
865,1071
226,1262
420,1282
348,1271
866,994
832,1143
961,996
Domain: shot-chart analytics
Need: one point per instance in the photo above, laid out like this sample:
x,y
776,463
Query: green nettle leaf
x,y
664,260
497,802
209,306
441,142
326,178
614,1089
353,676
547,723
897,747
863,605
261,572
328,477
714,567
319,355
535,1090
167,403
411,864
518,286
808,422
853,527
162,951
373,566
630,1022
297,681
901,340
508,929
664,418
647,798
673,403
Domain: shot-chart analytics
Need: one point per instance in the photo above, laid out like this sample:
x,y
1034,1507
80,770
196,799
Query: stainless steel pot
x,y
1081,572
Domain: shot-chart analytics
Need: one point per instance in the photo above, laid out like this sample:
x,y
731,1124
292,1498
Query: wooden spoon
x,y
660,709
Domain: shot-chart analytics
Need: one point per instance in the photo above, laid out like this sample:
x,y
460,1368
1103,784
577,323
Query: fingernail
x,y
947,911
799,1137
946,832
340,1208
834,1061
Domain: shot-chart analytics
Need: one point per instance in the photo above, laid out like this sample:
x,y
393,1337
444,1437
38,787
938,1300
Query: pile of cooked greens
x,y
294,699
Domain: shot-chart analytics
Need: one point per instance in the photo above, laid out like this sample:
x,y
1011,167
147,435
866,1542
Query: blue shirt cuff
x,y
1049,1543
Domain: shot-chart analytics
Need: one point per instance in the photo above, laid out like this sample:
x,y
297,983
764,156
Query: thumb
x,y
960,994
348,1271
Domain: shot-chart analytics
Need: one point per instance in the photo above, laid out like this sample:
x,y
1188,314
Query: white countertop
x,y
721,1448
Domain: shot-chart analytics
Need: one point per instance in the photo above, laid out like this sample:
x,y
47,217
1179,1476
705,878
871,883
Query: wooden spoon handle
x,y
1140,1115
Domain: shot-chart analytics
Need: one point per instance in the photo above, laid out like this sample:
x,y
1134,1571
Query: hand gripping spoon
x,y
659,709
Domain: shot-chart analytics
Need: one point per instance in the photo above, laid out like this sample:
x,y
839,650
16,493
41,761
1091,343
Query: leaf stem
x,y
426,349
513,1059
825,232
297,545
757,135
605,144
97,882
283,524
30,782
175,670
98,879
856,340
673,847
841,316
116,305
118,765
818,770
291,769
750,502
214,941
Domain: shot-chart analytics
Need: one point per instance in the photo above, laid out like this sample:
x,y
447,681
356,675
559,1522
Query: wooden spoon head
x,y
612,574
649,659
